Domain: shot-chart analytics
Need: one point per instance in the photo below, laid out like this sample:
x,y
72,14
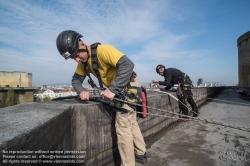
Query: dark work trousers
x,y
188,96
193,105
183,108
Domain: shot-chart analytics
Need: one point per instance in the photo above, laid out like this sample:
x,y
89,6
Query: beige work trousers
x,y
130,139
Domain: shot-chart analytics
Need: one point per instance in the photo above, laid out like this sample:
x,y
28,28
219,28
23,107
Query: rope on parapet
x,y
184,116
181,103
231,126
196,119
173,113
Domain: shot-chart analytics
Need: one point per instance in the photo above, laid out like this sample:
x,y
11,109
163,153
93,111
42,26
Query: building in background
x,y
21,82
200,82
54,93
15,79
243,44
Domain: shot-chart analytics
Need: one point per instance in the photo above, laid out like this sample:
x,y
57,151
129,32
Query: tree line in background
x,y
46,98
12,99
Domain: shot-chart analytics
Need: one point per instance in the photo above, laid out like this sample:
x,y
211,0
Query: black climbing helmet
x,y
158,67
67,43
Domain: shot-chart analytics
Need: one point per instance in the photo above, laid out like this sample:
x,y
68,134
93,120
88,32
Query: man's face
x,y
81,56
161,70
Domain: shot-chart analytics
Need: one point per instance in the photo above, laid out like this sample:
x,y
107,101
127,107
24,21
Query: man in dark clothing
x,y
174,76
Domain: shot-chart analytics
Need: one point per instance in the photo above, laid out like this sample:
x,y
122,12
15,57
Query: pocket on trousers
x,y
122,120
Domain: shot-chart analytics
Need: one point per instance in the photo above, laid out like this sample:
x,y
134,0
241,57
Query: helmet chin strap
x,y
84,50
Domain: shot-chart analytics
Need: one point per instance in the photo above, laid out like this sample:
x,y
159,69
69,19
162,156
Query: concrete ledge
x,y
85,126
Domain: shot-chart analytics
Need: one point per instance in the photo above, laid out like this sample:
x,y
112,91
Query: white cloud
x,y
149,32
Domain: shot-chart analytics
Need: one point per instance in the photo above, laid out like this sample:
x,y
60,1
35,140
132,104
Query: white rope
x,y
190,117
181,103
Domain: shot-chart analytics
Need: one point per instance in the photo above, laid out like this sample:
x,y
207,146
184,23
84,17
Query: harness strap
x,y
95,62
186,82
95,68
90,80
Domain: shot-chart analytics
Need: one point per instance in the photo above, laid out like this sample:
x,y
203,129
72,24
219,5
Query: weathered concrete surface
x,y
200,144
74,125
16,122
71,125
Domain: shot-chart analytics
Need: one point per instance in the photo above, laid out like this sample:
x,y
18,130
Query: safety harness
x,y
185,84
131,94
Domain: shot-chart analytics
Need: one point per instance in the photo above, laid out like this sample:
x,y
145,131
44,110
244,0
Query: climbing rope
x,y
184,116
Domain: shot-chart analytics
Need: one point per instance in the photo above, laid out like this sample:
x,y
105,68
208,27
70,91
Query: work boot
x,y
196,114
142,159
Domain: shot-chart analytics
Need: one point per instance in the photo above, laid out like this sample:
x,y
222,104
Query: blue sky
x,y
198,37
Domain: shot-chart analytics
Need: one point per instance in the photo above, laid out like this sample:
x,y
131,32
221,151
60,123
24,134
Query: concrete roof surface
x,y
199,144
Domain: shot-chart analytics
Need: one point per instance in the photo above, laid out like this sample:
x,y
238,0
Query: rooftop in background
x,y
15,79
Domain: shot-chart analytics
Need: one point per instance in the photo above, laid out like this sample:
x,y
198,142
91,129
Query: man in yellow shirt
x,y
115,70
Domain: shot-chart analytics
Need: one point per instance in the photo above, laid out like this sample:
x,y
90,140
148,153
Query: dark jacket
x,y
172,76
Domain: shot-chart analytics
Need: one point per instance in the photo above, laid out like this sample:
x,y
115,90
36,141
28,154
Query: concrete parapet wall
x,y
78,125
